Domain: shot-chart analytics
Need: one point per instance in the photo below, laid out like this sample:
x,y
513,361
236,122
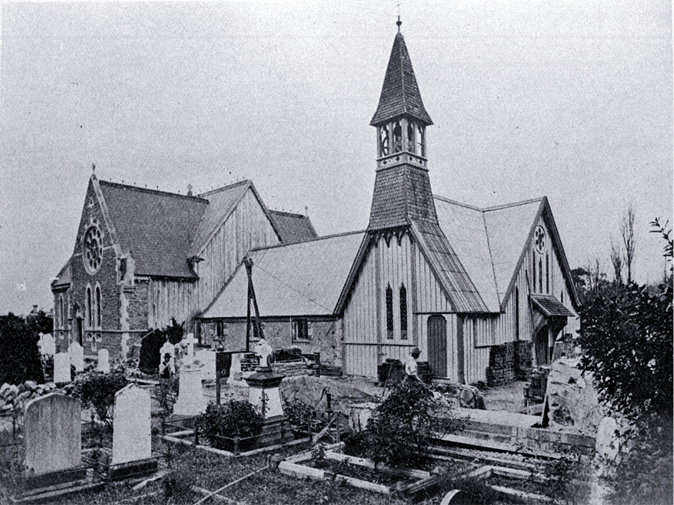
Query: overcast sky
x,y
570,99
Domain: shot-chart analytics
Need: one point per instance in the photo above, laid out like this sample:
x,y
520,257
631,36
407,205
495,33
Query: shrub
x,y
166,393
402,427
98,391
233,419
298,413
19,353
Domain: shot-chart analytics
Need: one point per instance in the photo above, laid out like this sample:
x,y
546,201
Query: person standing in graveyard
x,y
165,367
411,368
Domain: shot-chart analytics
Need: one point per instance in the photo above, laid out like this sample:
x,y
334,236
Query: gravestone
x,y
207,357
149,352
103,361
264,351
191,400
76,356
189,342
607,445
131,439
47,345
53,440
62,368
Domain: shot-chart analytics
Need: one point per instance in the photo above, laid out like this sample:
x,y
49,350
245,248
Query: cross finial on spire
x,y
399,22
93,168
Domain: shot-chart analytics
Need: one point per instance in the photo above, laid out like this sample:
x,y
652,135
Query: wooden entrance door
x,y
541,346
437,345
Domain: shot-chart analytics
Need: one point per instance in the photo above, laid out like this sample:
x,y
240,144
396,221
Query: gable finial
x,y
93,168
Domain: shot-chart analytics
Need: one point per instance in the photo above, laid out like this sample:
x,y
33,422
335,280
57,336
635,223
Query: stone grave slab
x,y
132,436
53,445
62,368
103,361
76,356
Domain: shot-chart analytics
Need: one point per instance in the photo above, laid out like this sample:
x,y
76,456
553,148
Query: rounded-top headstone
x,y
456,497
608,443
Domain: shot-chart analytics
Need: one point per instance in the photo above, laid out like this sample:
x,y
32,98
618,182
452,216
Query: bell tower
x,y
402,188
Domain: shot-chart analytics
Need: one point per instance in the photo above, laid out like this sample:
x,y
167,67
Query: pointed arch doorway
x,y
437,345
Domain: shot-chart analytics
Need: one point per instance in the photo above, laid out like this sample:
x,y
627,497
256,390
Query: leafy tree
x,y
626,337
19,353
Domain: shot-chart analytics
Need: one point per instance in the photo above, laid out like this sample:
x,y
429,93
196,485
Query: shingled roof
x,y
293,228
400,92
158,227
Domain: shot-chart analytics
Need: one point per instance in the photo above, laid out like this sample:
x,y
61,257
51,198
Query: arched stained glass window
x,y
88,316
98,307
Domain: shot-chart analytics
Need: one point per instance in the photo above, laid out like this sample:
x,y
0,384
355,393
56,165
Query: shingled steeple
x,y
402,189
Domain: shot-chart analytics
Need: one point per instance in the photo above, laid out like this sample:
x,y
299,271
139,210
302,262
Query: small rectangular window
x,y
301,330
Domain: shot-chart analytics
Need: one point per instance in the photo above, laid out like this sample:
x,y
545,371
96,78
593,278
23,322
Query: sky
x,y
571,100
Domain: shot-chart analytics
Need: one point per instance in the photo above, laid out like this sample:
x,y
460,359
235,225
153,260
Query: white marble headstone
x,y
191,400
190,341
207,357
103,361
131,437
607,444
61,368
76,356
52,434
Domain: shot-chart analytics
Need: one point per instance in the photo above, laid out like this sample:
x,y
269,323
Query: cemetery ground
x,y
187,474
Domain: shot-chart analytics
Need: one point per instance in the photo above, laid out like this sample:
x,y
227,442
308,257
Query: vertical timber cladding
x,y
366,339
245,228
168,299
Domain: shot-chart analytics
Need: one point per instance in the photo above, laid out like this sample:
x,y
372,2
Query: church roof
x,y
303,279
64,277
158,227
400,92
293,228
221,203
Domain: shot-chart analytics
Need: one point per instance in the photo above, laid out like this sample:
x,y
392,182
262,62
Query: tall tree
x,y
629,240
617,262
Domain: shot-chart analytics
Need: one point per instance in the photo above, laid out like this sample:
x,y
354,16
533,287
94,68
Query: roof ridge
x,y
449,200
149,190
294,214
336,235
229,186
514,204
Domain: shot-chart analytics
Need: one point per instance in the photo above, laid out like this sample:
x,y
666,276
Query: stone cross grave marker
x,y
190,340
47,345
103,361
131,438
52,434
76,356
61,368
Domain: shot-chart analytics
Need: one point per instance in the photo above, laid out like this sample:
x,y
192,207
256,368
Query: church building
x,y
144,257
479,291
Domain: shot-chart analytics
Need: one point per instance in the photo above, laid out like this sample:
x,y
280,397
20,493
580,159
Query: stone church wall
x,y
325,338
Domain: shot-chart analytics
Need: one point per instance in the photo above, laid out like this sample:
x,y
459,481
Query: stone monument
x,y
76,356
191,400
62,368
103,361
132,436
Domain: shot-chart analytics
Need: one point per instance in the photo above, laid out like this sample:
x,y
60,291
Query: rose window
x,y
93,249
539,240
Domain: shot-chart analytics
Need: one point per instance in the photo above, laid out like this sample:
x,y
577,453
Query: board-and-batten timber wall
x,y
366,343
365,333
247,227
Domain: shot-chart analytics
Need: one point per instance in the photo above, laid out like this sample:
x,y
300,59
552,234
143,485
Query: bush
x,y
402,427
19,353
166,393
233,419
299,414
98,391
